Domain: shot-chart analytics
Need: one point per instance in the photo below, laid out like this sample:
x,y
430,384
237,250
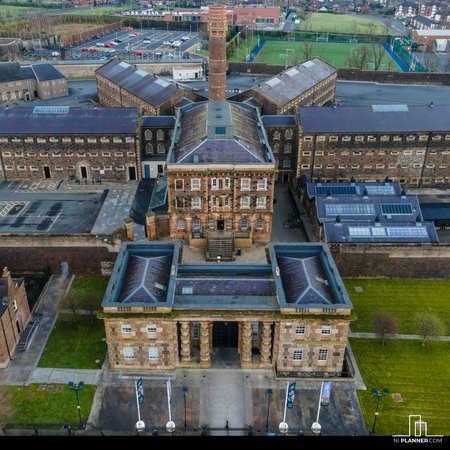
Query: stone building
x,y
290,315
120,84
37,81
14,314
312,83
409,144
220,172
62,142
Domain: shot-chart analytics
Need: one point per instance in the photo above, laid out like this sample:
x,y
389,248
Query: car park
x,y
84,49
92,49
113,43
118,41
167,43
100,44
138,53
147,41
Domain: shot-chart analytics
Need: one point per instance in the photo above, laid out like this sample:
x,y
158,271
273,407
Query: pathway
x,y
398,336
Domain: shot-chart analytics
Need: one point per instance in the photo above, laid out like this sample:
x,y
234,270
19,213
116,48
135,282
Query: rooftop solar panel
x,y
51,110
350,209
390,108
396,208
336,190
388,231
308,64
273,82
380,190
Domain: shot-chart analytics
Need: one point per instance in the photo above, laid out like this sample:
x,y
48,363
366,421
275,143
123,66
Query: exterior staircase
x,y
220,246
28,334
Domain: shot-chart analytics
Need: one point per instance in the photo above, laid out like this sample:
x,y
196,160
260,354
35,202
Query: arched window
x,y
276,135
288,134
181,224
149,149
161,149
160,135
148,135
287,148
276,148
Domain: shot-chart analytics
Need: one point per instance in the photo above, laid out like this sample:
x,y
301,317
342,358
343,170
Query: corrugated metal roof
x,y
293,82
148,88
363,119
21,121
46,72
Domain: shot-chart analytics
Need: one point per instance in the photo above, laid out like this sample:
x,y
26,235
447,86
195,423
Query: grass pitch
x,y
336,54
341,23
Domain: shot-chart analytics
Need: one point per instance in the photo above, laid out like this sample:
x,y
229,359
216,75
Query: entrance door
x,y
132,173
220,224
285,177
47,172
160,169
225,334
18,326
146,171
83,172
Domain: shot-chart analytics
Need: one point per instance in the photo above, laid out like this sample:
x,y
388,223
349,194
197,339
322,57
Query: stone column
x,y
246,349
150,222
129,227
205,355
266,343
185,342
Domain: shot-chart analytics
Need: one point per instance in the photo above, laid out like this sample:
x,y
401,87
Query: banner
x,y
169,390
326,392
140,390
291,395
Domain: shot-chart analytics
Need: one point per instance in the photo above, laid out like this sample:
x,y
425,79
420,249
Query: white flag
x,y
169,390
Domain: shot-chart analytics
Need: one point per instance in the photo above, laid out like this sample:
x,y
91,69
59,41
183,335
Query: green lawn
x,y
15,11
75,342
340,23
403,298
92,283
32,404
421,375
99,11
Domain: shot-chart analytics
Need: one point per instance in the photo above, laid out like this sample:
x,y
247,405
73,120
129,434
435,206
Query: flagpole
x,y
285,402
320,400
137,402
168,401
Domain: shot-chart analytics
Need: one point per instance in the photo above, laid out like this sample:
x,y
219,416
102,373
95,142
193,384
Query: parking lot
x,y
145,44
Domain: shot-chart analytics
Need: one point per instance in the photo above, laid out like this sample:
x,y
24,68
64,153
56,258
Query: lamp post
x,y
269,396
76,388
185,391
379,395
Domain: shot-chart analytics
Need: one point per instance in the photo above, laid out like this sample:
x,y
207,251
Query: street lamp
x,y
185,391
76,388
379,395
269,395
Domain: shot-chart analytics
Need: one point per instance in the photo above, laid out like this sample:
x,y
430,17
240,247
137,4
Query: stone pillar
x,y
266,343
205,354
129,227
246,348
185,342
150,222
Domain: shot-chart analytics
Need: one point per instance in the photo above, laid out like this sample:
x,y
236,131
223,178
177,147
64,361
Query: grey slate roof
x,y
46,72
219,132
82,121
363,119
11,71
158,121
404,232
291,83
143,85
278,121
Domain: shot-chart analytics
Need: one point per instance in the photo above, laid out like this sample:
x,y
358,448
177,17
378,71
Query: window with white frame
x,y
151,329
300,330
288,134
261,202
229,224
259,224
161,149
226,183
244,224
276,135
214,184
245,202
245,184
262,184
128,353
326,329
126,329
286,163
179,185
196,225
298,354
211,224
153,353
197,203
276,148
181,224
195,184
148,135
288,148
323,354
149,149
213,201
160,135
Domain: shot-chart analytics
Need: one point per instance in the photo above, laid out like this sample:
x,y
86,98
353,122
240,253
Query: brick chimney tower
x,y
217,26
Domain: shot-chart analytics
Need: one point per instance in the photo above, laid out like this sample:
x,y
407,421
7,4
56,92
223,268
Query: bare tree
x,y
430,61
428,325
307,50
384,324
359,57
377,55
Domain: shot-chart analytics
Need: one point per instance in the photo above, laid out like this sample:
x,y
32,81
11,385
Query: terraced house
x,y
290,314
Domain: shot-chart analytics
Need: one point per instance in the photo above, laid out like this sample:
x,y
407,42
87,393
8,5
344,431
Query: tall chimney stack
x,y
217,26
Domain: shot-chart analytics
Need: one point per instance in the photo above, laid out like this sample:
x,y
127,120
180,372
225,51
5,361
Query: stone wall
x,y
392,261
32,254
393,77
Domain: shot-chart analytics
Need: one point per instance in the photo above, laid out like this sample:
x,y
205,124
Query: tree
x,y
69,301
428,325
430,61
384,324
91,302
359,57
307,50
377,55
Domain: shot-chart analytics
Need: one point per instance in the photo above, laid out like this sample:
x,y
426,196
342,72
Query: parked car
x,y
92,49
167,43
113,43
138,53
84,49
100,44
147,41
118,41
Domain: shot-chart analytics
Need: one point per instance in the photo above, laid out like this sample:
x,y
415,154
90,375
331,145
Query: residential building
x,y
290,315
14,314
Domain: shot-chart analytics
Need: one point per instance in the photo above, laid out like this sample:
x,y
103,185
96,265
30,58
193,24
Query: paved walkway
x,y
63,376
23,364
399,336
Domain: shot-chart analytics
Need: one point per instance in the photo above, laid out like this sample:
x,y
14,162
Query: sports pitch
x,y
336,54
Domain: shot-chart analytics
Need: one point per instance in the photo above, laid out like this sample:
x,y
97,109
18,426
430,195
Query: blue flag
x,y
291,395
140,390
326,392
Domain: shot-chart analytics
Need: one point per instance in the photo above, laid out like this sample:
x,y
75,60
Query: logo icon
x,y
417,428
